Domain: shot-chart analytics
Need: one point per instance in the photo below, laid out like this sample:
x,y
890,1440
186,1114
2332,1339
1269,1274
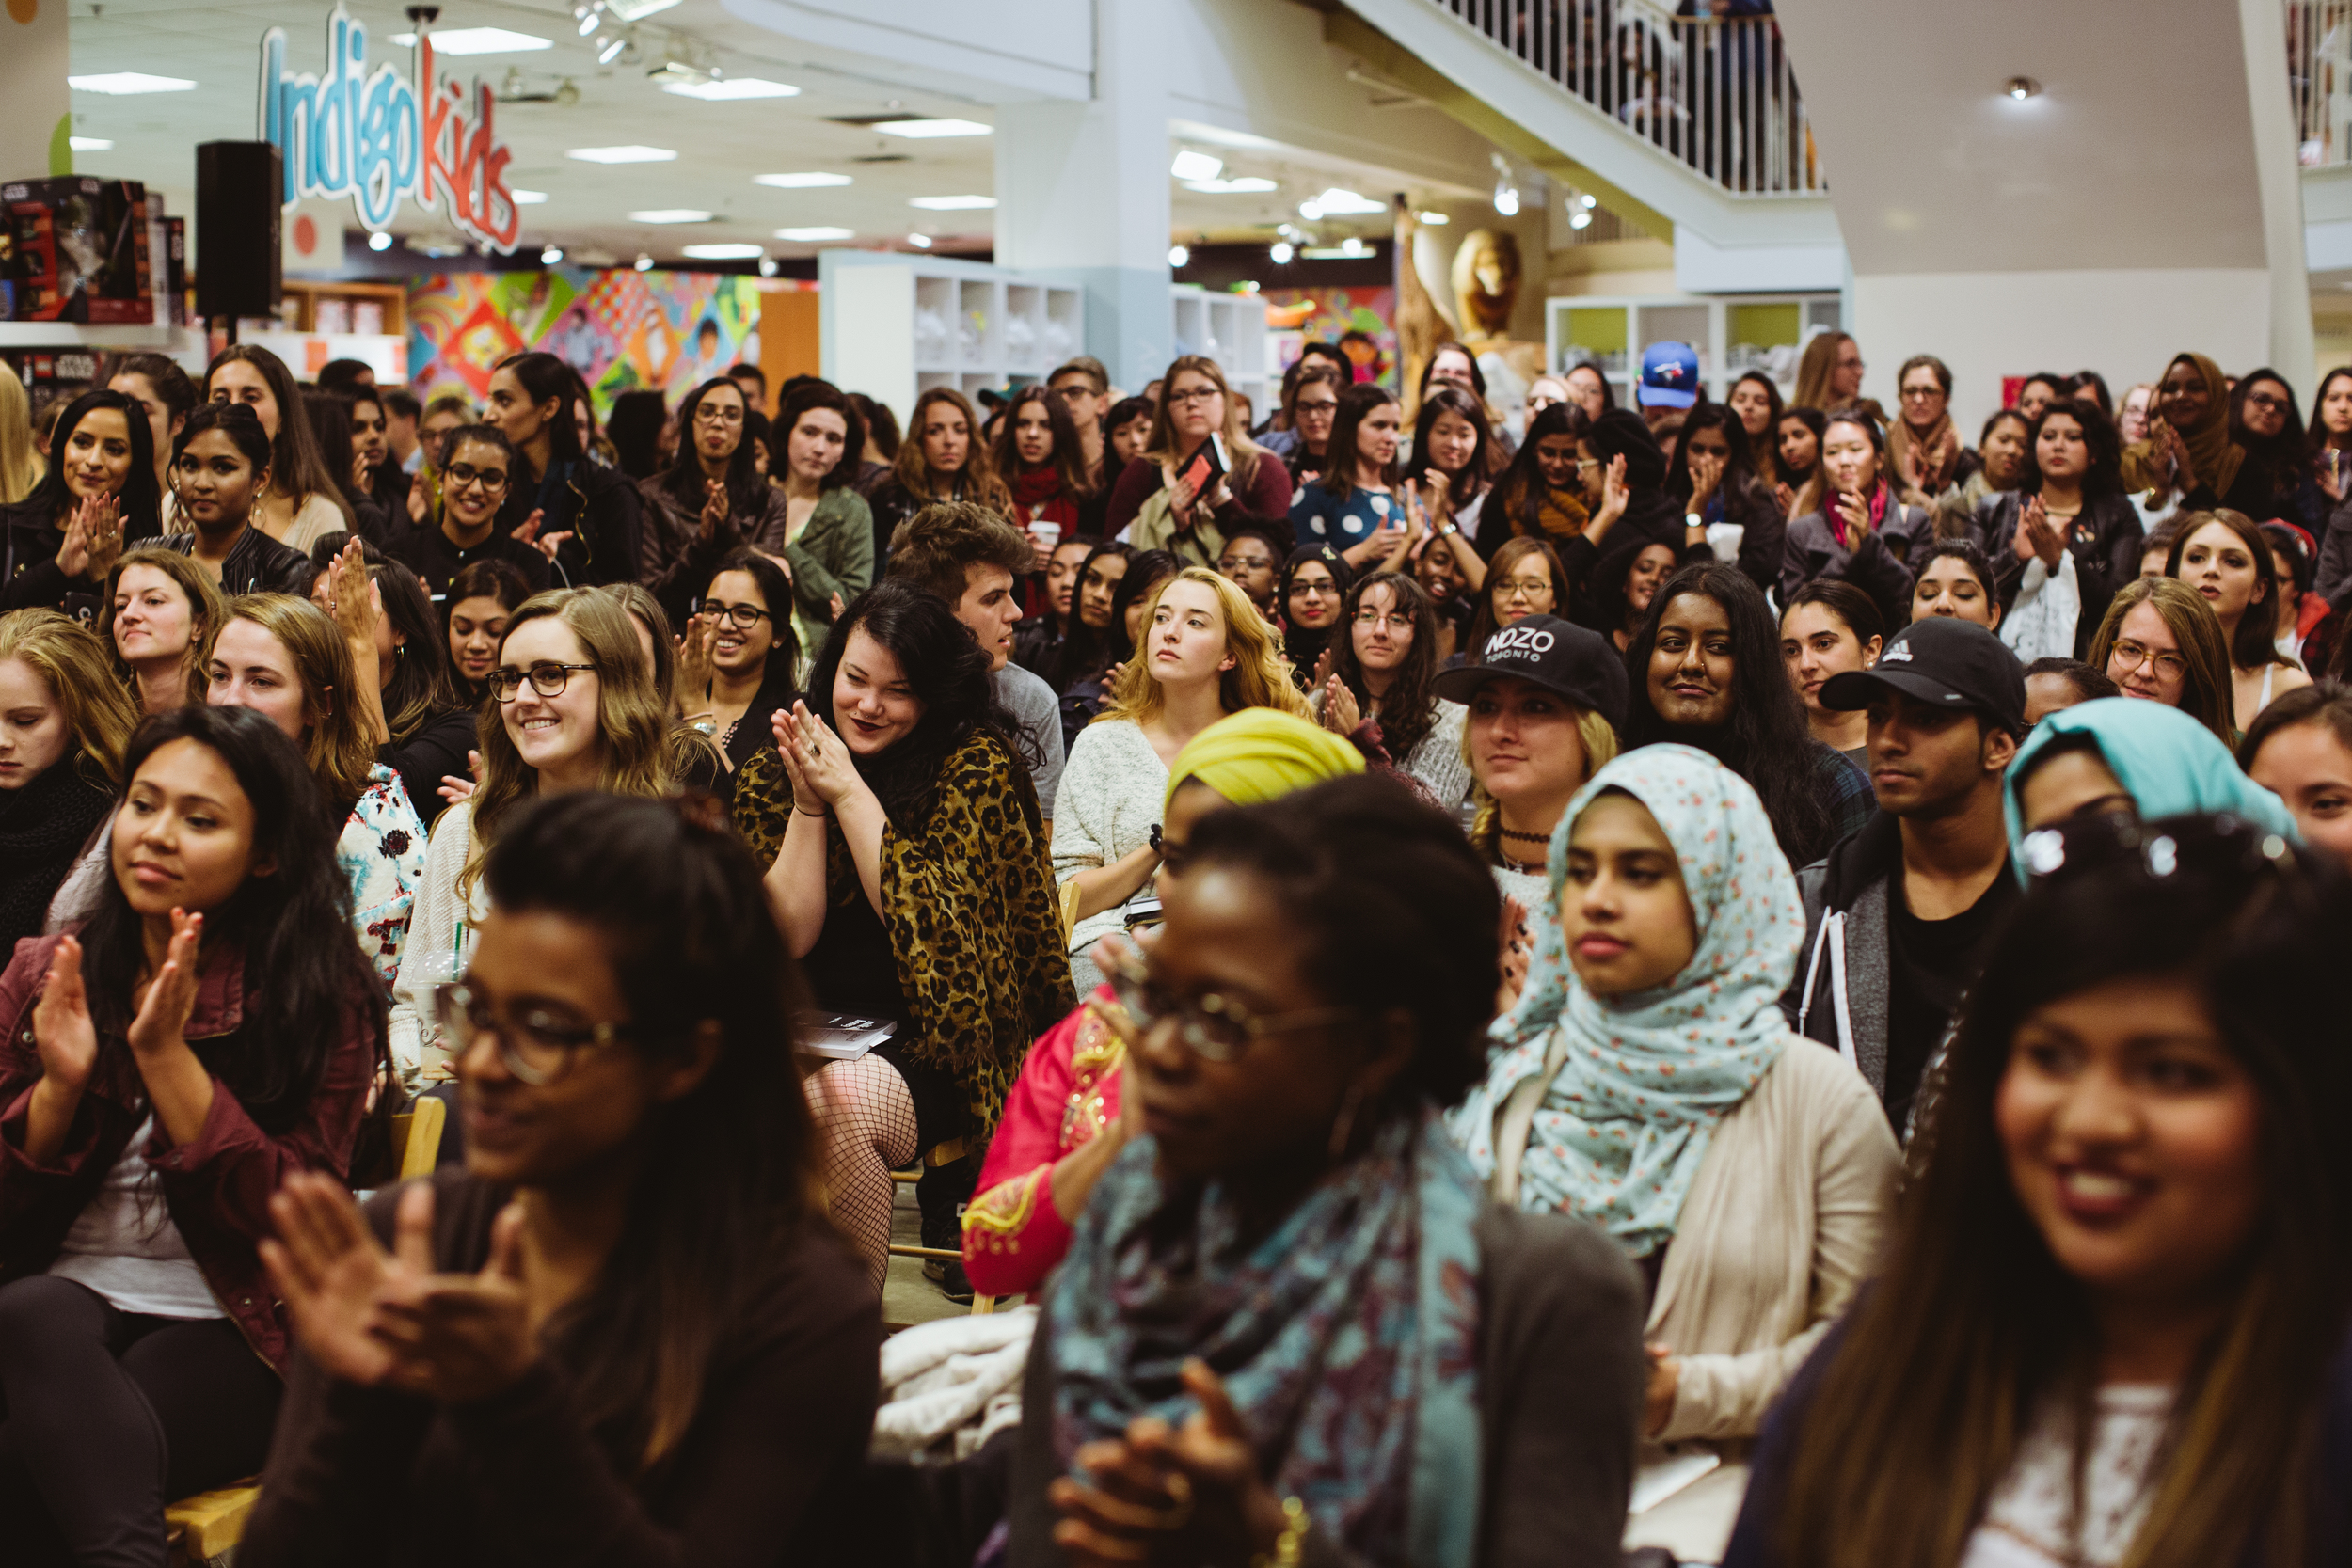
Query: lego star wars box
x,y
78,250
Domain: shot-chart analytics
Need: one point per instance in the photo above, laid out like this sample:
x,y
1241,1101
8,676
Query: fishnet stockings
x,y
864,1131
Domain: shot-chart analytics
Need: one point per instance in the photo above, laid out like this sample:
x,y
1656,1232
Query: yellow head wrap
x,y
1261,754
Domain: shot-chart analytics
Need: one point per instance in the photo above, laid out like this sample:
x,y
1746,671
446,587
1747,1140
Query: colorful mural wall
x,y
624,329
1328,315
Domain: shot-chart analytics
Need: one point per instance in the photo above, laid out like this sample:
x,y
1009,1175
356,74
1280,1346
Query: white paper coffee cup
x,y
1047,534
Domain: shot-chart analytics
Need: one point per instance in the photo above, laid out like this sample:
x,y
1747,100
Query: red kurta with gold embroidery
x,y
1068,1091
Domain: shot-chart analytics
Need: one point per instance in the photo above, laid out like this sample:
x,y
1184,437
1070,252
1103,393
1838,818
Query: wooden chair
x,y
203,1530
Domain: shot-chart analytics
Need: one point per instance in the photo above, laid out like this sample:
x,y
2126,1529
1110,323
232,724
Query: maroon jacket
x,y
217,1188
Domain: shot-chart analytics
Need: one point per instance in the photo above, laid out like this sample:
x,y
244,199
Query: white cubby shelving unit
x,y
894,325
1230,329
1733,334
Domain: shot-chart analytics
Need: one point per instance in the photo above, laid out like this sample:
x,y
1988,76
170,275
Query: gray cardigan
x,y
1561,1384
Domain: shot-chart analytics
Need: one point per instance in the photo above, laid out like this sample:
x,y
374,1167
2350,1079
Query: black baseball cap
x,y
1944,660
1559,656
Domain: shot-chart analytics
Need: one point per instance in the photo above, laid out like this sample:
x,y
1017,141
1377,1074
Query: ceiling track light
x,y
2022,88
590,16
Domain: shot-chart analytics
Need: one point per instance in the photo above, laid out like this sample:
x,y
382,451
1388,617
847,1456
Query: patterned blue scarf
x,y
1348,1337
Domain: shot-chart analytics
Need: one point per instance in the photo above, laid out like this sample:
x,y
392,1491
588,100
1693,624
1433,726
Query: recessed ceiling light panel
x,y
724,252
926,129
122,84
727,88
628,154
670,214
953,203
816,234
480,40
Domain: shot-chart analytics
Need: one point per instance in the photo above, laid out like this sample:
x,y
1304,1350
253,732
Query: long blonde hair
x,y
207,609
1259,678
21,466
629,714
1241,453
338,747
71,660
1593,733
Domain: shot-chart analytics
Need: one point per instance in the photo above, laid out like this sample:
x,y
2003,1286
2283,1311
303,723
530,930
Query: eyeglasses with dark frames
x,y
459,475
1210,1024
743,617
538,1045
548,679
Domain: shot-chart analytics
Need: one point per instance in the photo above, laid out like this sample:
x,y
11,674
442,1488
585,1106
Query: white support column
x,y
34,61
1082,190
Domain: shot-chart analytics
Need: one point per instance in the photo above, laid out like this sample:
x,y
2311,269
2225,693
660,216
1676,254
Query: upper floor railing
x,y
2319,75
1718,95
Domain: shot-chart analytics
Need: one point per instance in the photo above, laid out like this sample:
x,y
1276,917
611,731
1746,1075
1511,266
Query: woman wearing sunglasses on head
x,y
1065,1119
624,1332
2110,1326
477,475
1289,1326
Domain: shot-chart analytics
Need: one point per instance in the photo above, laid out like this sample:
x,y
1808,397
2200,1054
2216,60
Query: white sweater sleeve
x,y
439,931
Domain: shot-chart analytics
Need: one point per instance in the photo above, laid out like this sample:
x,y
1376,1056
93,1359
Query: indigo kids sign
x,y
365,135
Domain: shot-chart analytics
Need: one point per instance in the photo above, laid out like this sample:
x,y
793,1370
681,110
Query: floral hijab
x,y
1620,1129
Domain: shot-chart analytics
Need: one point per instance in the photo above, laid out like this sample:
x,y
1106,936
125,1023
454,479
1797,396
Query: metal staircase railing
x,y
1716,94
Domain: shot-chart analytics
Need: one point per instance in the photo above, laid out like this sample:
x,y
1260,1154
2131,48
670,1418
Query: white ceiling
x,y
721,146
2138,151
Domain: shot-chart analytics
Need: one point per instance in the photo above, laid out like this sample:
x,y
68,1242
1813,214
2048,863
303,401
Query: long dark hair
x,y
1068,457
295,468
331,415
304,977
2315,436
635,432
1410,709
1518,494
2255,643
1357,404
1471,477
1146,571
728,1171
1766,740
1921,1413
1303,645
2105,476
682,482
544,377
806,395
422,687
139,499
1766,464
783,666
2285,459
1741,488
946,671
1086,650
1814,420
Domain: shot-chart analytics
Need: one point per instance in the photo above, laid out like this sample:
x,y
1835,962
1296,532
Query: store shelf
x,y
1732,336
74,334
895,326
1230,329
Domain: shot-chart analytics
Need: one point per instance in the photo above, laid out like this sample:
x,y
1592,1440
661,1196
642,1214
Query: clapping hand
x,y
1163,1493
2037,536
1616,495
1855,509
815,757
162,1015
694,659
1341,714
62,1030
716,507
454,788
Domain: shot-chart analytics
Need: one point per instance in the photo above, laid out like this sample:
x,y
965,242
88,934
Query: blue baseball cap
x,y
1670,376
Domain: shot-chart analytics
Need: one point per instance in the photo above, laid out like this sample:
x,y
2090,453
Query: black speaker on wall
x,y
238,186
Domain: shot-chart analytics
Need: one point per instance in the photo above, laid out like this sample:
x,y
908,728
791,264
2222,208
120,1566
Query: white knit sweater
x,y
1113,788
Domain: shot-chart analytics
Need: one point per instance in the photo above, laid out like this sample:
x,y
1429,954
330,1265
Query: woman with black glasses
x,y
711,503
478,473
588,1338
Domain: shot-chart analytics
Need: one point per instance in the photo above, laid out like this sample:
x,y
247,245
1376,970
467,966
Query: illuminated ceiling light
x,y
767,266
90,144
609,49
643,262
1191,166
1337,202
952,203
807,181
482,40
379,241
1437,220
816,234
1282,253
920,241
1354,248
1179,256
122,84
732,87
1588,202
628,154
670,214
2021,88
528,198
724,252
551,255
1246,183
637,11
1579,219
927,129
589,16
1507,199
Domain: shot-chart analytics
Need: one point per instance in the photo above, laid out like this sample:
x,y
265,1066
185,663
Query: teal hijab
x,y
2168,763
